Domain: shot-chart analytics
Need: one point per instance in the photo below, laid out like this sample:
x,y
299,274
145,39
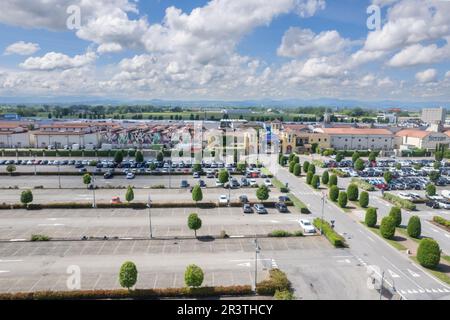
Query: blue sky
x,y
226,49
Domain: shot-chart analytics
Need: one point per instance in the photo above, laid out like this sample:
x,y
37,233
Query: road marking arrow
x,y
247,264
412,273
393,274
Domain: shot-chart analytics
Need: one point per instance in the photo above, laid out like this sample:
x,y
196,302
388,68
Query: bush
x,y
355,156
128,275
402,203
277,281
309,177
40,237
359,165
364,185
352,192
335,239
284,234
197,193
334,193
325,177
26,197
371,217
387,176
396,214
414,228
428,253
315,182
284,295
193,276
387,227
312,168
342,199
262,193
306,166
333,180
364,199
297,169
129,195
442,221
292,166
431,189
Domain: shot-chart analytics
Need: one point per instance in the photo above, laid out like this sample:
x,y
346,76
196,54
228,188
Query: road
x,y
409,279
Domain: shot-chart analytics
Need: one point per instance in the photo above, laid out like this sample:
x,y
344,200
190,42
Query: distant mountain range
x,y
267,103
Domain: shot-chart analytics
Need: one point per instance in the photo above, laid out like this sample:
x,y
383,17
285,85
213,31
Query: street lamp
x,y
323,207
257,250
59,176
149,204
229,188
94,204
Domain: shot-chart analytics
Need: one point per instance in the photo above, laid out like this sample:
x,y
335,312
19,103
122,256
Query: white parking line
x,y
6,261
4,271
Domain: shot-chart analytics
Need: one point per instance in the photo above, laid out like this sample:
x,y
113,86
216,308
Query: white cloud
x,y
54,60
22,48
308,8
426,76
298,42
418,54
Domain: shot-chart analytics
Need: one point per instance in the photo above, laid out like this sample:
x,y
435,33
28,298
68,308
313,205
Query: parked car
x,y
284,199
243,199
184,184
130,175
260,209
115,200
202,183
196,175
108,175
281,207
218,183
307,226
223,199
268,183
247,208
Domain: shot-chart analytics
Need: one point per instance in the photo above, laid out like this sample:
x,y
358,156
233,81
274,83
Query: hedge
x,y
402,203
284,234
298,204
277,281
441,221
364,185
245,290
336,239
339,173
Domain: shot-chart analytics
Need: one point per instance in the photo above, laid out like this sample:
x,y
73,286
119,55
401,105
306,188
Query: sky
x,y
226,49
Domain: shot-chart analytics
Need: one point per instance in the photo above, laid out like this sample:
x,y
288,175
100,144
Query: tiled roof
x,y
413,133
356,131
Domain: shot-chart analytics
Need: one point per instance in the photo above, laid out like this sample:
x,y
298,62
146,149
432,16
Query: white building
x,y
13,135
434,115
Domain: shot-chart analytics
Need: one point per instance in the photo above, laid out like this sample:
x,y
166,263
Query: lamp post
x,y
257,250
323,209
381,285
59,176
149,204
94,204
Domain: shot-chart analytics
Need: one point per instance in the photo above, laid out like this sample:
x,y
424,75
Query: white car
x,y
130,175
268,183
223,199
218,183
444,205
307,226
252,182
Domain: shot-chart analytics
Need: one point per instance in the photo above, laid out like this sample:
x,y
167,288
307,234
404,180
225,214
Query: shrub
x,y
442,221
306,166
129,195
396,214
335,239
26,197
10,168
342,199
315,181
364,199
194,223
193,276
364,185
223,176
312,168
309,177
428,253
359,165
284,295
352,192
333,180
371,217
355,156
325,177
197,193
118,156
414,228
334,193
387,227
262,193
339,156
40,237
277,281
284,234
139,156
292,166
431,189
387,176
297,169
402,203
128,275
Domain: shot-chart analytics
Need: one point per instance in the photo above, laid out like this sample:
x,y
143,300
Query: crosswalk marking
x,y
423,291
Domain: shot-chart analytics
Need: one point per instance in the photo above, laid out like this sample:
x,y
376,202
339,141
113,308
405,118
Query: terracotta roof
x,y
413,133
447,132
294,127
66,125
356,131
60,133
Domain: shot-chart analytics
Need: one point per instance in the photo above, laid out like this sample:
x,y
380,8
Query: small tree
x,y
297,169
333,193
352,192
364,199
387,227
438,155
197,167
396,214
315,182
355,156
372,156
262,193
10,168
224,175
129,195
193,276
414,228
87,179
118,156
194,223
291,166
333,180
241,166
342,199
128,275
437,165
26,197
312,168
296,159
359,165
434,176
325,177
431,189
160,156
398,166
387,176
309,177
339,156
139,157
197,194
428,253
305,166
371,217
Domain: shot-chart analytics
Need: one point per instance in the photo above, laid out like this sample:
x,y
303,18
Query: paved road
x,y
410,280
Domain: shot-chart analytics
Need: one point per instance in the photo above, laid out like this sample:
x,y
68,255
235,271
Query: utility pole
x,y
149,204
257,250
323,207
94,204
59,176
34,163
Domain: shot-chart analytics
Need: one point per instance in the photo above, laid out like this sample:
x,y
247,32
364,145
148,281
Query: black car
x,y
184,184
281,207
432,204
283,199
243,199
247,208
202,184
108,175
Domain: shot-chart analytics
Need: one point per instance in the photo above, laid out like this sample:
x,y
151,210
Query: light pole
x,y
381,286
257,250
59,176
34,163
323,207
94,204
149,204
229,188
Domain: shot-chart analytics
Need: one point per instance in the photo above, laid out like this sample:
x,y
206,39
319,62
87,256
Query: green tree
x,y
139,157
118,156
193,276
325,177
414,228
339,156
197,194
291,166
312,168
342,199
434,176
196,167
305,166
428,253
438,156
291,157
431,189
387,227
437,165
396,214
129,195
359,165
364,199
160,156
355,156
262,193
333,193
26,197
398,166
352,192
241,166
10,168
128,275
194,223
224,175
87,179
315,181
333,180
296,159
371,217
297,169
309,177
372,156
387,177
